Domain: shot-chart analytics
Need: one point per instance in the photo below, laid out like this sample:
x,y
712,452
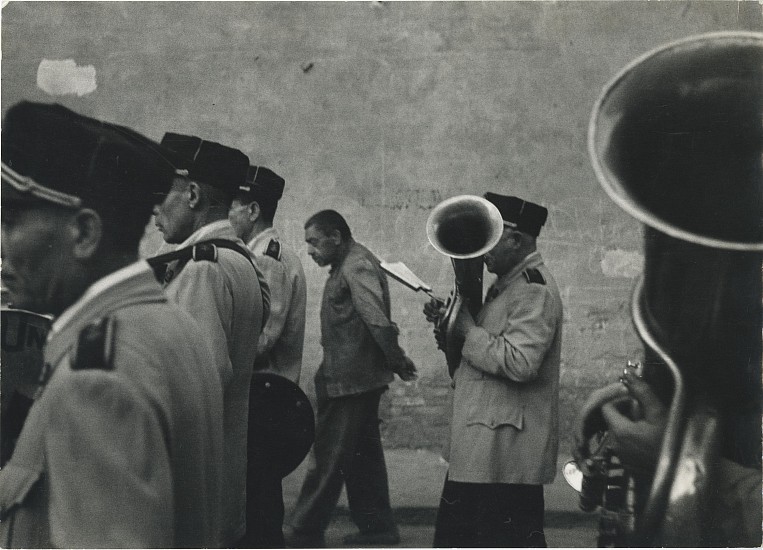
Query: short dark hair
x,y
328,221
215,195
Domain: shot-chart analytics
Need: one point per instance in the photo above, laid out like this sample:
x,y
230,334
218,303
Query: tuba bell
x,y
463,228
676,140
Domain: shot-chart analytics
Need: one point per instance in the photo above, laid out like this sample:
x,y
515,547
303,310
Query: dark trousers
x,y
347,450
490,515
264,504
264,492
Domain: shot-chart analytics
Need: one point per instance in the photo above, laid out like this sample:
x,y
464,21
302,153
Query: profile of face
x,y
503,256
322,248
174,216
242,216
38,250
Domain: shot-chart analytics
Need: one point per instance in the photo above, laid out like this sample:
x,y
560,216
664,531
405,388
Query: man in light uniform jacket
x,y
122,446
223,295
280,346
504,428
251,215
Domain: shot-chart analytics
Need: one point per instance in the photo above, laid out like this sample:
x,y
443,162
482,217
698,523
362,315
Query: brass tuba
x,y
464,228
676,140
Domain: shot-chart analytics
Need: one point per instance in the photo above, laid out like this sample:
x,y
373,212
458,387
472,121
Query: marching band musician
x,y
251,215
223,290
504,428
735,506
122,445
676,140
280,346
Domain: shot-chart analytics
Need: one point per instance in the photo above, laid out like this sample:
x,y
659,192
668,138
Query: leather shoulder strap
x,y
201,251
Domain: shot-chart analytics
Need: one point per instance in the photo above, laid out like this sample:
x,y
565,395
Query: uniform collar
x,y
130,285
219,228
95,290
263,238
531,260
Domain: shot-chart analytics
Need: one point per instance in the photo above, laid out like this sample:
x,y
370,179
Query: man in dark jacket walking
x,y
360,356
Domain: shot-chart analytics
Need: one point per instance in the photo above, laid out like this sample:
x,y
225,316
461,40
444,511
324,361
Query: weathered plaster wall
x,y
381,110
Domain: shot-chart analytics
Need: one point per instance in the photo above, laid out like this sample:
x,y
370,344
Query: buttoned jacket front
x,y
283,337
225,298
126,453
359,338
505,407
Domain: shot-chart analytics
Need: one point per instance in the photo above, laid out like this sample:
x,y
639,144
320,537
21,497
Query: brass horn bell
x,y
676,140
463,228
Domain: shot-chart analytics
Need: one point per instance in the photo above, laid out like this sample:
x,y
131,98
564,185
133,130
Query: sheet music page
x,y
402,273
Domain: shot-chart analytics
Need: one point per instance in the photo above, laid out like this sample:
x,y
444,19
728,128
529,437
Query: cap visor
x,y
10,196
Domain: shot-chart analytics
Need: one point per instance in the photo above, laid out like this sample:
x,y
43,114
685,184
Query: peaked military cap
x,y
207,161
52,154
519,214
263,183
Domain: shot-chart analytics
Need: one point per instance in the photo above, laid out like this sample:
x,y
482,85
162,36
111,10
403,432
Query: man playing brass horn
x,y
504,429
676,140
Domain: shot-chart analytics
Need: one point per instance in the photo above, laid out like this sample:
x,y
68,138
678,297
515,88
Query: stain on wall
x,y
381,110
64,77
622,263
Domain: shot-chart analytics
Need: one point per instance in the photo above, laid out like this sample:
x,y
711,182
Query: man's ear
x,y
336,237
194,195
254,211
87,232
515,238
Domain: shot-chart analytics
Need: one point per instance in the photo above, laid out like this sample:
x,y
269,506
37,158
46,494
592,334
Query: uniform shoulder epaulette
x,y
95,346
534,276
204,252
274,249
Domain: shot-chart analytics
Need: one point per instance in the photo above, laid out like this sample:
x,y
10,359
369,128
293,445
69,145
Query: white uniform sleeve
x,y
110,476
201,290
516,353
280,290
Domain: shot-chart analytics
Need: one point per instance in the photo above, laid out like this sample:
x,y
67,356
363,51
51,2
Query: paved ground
x,y
566,535
416,478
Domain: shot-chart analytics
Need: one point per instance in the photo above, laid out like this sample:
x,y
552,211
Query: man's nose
x,y
156,210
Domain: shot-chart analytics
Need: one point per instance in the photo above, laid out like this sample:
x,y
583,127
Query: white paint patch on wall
x,y
622,263
64,77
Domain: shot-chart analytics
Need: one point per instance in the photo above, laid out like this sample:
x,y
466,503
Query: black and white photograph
x,y
381,274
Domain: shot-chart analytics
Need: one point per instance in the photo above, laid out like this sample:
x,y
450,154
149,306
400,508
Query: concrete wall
x,y
382,110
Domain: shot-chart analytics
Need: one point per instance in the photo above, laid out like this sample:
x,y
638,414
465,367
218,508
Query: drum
x,y
281,422
23,337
